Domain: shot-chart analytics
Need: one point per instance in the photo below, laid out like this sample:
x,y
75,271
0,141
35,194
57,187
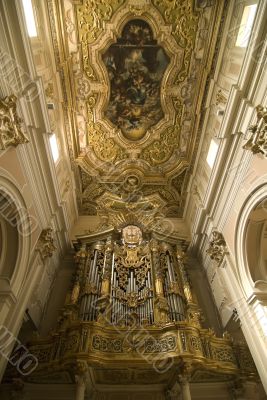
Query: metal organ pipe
x,y
91,267
120,310
170,268
112,268
131,280
113,295
98,286
94,282
84,295
174,299
94,268
168,280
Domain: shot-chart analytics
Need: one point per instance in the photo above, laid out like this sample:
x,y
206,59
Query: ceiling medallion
x,y
132,183
136,65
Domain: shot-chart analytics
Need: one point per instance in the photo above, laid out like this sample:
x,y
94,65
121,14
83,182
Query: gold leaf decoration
x,y
104,147
91,17
184,27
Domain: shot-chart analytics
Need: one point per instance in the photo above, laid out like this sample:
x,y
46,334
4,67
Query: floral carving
x,y
104,147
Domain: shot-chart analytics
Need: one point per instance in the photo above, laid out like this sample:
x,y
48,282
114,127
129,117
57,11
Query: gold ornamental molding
x,y
257,143
106,96
105,146
96,345
11,133
131,307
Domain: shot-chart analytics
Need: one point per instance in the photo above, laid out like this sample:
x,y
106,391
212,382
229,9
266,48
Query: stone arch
x,y
251,245
256,242
16,228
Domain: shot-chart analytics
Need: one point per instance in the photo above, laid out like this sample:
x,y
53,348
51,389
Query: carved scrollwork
x,y
161,150
195,343
92,16
132,299
133,258
109,345
104,147
244,358
91,27
223,353
163,345
10,124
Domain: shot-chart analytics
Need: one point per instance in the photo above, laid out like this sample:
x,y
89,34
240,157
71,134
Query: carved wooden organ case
x,y
131,279
131,301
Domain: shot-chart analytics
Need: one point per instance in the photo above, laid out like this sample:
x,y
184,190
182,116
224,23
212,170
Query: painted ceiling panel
x,y
134,80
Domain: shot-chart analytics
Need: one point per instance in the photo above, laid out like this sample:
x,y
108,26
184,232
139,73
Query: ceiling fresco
x,y
134,81
135,65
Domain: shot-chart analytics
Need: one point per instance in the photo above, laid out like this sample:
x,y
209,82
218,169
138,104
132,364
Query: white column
x,y
185,388
80,387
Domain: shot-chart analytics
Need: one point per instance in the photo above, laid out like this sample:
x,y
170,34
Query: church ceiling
x,y
133,79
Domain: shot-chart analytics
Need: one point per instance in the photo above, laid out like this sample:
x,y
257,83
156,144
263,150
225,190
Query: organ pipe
x,y
128,283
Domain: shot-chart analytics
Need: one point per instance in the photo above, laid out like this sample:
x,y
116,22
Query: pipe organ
x,y
131,303
128,280
132,286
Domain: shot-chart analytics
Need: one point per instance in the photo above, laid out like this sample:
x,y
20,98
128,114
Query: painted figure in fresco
x,y
135,65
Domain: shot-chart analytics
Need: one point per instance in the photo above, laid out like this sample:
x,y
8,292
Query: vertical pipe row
x,y
94,296
120,309
171,291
